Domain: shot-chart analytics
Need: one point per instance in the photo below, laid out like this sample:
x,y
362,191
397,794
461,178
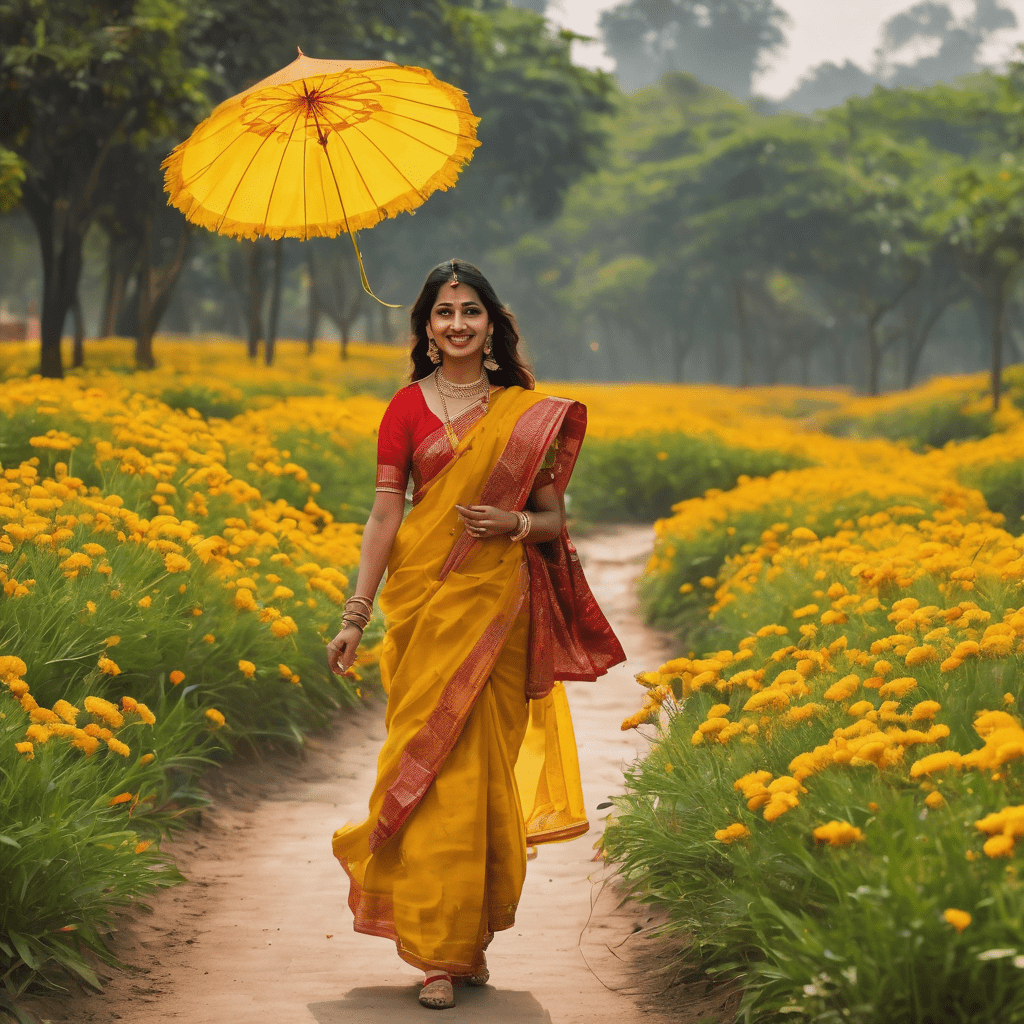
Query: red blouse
x,y
412,440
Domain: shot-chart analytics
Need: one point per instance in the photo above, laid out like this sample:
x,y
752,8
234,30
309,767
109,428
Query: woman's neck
x,y
462,371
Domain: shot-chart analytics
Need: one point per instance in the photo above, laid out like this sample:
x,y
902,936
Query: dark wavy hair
x,y
512,368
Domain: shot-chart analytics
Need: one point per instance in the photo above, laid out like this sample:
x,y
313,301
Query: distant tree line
x,y
720,242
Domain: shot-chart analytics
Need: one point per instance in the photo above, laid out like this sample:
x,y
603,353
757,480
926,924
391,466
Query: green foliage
x,y
640,478
930,425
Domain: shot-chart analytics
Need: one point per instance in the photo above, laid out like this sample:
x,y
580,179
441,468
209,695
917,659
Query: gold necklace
x,y
477,388
450,389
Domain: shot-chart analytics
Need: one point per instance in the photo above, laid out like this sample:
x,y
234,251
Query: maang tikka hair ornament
x,y
455,273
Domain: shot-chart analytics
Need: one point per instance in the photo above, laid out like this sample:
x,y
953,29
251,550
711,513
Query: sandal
x,y
438,993
481,976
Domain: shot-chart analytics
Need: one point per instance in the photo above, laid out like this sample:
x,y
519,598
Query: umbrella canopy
x,y
320,147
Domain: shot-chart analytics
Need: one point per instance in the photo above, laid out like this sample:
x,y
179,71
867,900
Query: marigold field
x,y
831,808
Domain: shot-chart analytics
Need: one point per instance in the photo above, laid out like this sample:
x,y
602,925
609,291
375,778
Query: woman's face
x,y
458,321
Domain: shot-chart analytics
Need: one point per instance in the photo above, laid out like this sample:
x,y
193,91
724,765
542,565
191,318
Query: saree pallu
x,y
438,865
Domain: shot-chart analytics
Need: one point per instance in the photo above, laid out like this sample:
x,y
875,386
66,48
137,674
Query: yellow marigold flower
x,y
37,733
807,609
802,533
67,711
284,671
765,699
147,759
118,747
997,646
11,668
283,626
145,714
834,618
779,804
105,711
988,722
90,607
176,563
209,638
108,667
718,711
247,668
959,919
176,677
44,716
128,704
967,649
897,687
27,749
282,593
215,716
935,800
860,708
145,602
244,600
733,832
76,561
86,743
925,710
94,550
838,833
686,588
121,798
843,689
27,701
112,641
920,655
999,846
143,846
950,664
708,582
937,762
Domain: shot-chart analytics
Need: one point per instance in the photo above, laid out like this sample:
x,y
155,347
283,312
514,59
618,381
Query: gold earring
x,y
433,352
489,363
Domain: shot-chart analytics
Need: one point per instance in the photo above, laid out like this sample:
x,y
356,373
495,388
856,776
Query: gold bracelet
x,y
523,528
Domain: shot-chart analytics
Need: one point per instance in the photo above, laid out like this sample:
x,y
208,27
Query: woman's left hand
x,y
485,521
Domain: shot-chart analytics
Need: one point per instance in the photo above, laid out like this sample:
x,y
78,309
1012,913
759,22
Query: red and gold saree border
x,y
375,915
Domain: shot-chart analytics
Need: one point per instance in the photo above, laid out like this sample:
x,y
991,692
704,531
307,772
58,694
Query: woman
x,y
486,607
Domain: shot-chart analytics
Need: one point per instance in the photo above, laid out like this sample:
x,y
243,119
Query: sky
x,y
820,30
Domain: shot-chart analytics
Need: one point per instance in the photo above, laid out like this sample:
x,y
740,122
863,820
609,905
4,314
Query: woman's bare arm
x,y
378,536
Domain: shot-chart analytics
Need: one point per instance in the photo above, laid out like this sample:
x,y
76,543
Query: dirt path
x,y
261,931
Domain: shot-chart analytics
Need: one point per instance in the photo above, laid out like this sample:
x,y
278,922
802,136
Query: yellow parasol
x,y
320,147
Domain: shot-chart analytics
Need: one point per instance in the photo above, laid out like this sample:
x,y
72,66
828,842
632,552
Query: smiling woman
x,y
486,608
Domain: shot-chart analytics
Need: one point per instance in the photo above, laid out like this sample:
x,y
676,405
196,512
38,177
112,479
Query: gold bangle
x,y
523,528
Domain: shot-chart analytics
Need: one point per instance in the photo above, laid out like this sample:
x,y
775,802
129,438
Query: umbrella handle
x,y
362,272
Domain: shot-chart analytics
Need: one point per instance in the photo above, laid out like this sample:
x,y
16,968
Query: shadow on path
x,y
398,1005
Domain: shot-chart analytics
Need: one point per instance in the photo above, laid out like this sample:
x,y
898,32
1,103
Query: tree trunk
x,y
916,344
874,352
60,250
679,342
77,348
119,271
743,333
275,302
156,286
997,310
254,295
315,310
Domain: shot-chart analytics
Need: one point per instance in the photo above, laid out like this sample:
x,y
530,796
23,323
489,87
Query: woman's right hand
x,y
341,651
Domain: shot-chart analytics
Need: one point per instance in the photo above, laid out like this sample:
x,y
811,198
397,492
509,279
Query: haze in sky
x,y
820,30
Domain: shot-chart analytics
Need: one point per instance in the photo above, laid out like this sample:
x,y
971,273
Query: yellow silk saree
x,y
479,757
